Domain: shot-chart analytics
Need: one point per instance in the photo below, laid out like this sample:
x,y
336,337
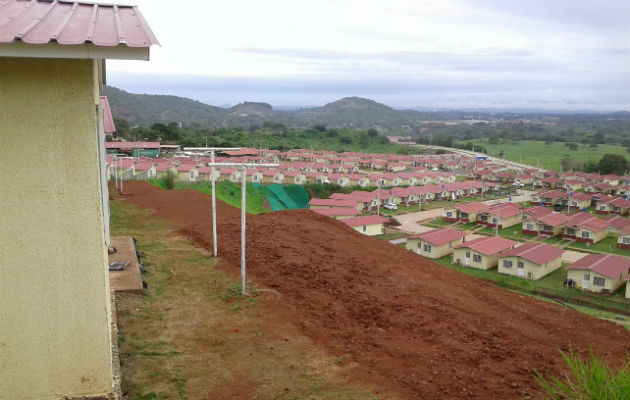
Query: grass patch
x,y
192,335
549,155
550,285
589,379
230,192
389,235
607,245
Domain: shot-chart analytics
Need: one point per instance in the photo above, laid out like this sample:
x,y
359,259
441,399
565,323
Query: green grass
x,y
549,155
438,223
550,285
391,235
512,232
607,245
589,379
230,192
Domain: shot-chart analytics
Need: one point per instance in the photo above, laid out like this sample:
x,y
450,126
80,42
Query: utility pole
x,y
213,179
244,167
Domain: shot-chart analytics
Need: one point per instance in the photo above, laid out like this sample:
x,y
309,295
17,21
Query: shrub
x,y
168,180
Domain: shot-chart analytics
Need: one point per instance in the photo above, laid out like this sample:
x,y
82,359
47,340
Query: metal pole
x,y
214,206
122,176
378,197
243,213
116,170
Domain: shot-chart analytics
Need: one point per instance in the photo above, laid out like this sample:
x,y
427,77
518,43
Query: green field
x,y
548,155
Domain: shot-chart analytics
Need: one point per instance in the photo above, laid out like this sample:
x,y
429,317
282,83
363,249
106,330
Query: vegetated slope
x,y
410,324
349,112
144,109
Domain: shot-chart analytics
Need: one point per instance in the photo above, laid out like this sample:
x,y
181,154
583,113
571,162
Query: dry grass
x,y
180,339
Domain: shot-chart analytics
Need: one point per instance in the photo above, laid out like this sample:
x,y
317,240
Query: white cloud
x,y
522,48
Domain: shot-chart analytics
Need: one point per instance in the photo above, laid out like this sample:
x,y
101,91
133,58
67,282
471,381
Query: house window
x,y
571,231
547,228
495,221
587,277
192,175
597,281
468,254
529,227
602,208
364,228
625,240
586,234
520,264
507,264
449,214
476,258
426,248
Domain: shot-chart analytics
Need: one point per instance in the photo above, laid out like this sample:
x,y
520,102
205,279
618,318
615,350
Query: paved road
x,y
409,222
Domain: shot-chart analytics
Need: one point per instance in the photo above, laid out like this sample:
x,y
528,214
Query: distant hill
x,y
349,112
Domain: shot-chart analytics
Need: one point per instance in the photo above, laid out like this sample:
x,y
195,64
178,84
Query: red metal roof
x,y
107,116
535,252
608,265
366,220
132,145
329,212
439,237
73,23
333,202
471,207
537,212
554,219
489,245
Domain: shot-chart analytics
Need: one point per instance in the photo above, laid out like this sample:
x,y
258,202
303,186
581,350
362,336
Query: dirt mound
x,y
412,325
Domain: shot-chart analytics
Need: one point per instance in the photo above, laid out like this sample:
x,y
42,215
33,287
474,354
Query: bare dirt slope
x,y
412,325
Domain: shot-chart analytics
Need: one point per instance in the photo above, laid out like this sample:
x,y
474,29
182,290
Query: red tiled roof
x,y
73,23
554,194
621,202
439,237
608,265
329,212
618,221
185,167
366,220
535,252
489,245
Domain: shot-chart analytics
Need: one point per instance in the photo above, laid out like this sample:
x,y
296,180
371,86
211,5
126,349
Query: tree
x,y
372,133
612,164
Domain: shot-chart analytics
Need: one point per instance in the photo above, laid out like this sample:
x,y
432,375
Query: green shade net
x,y
289,197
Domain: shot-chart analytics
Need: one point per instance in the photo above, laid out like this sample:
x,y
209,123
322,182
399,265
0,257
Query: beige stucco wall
x,y
596,236
437,251
627,290
487,262
370,230
610,284
537,270
54,290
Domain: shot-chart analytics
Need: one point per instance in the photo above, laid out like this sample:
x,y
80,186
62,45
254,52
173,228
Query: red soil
x,y
412,325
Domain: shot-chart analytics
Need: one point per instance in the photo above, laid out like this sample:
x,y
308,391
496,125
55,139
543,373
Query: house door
x,y
467,259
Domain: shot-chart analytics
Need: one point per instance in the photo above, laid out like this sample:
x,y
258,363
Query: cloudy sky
x,y
536,54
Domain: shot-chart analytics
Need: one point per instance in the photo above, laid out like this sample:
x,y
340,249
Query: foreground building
x,y
55,329
436,243
530,261
599,272
482,253
370,225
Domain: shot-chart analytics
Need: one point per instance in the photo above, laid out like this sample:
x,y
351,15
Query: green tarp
x,y
288,197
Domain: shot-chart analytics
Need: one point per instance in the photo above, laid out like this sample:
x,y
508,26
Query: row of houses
x,y
367,201
530,261
194,171
542,221
604,204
